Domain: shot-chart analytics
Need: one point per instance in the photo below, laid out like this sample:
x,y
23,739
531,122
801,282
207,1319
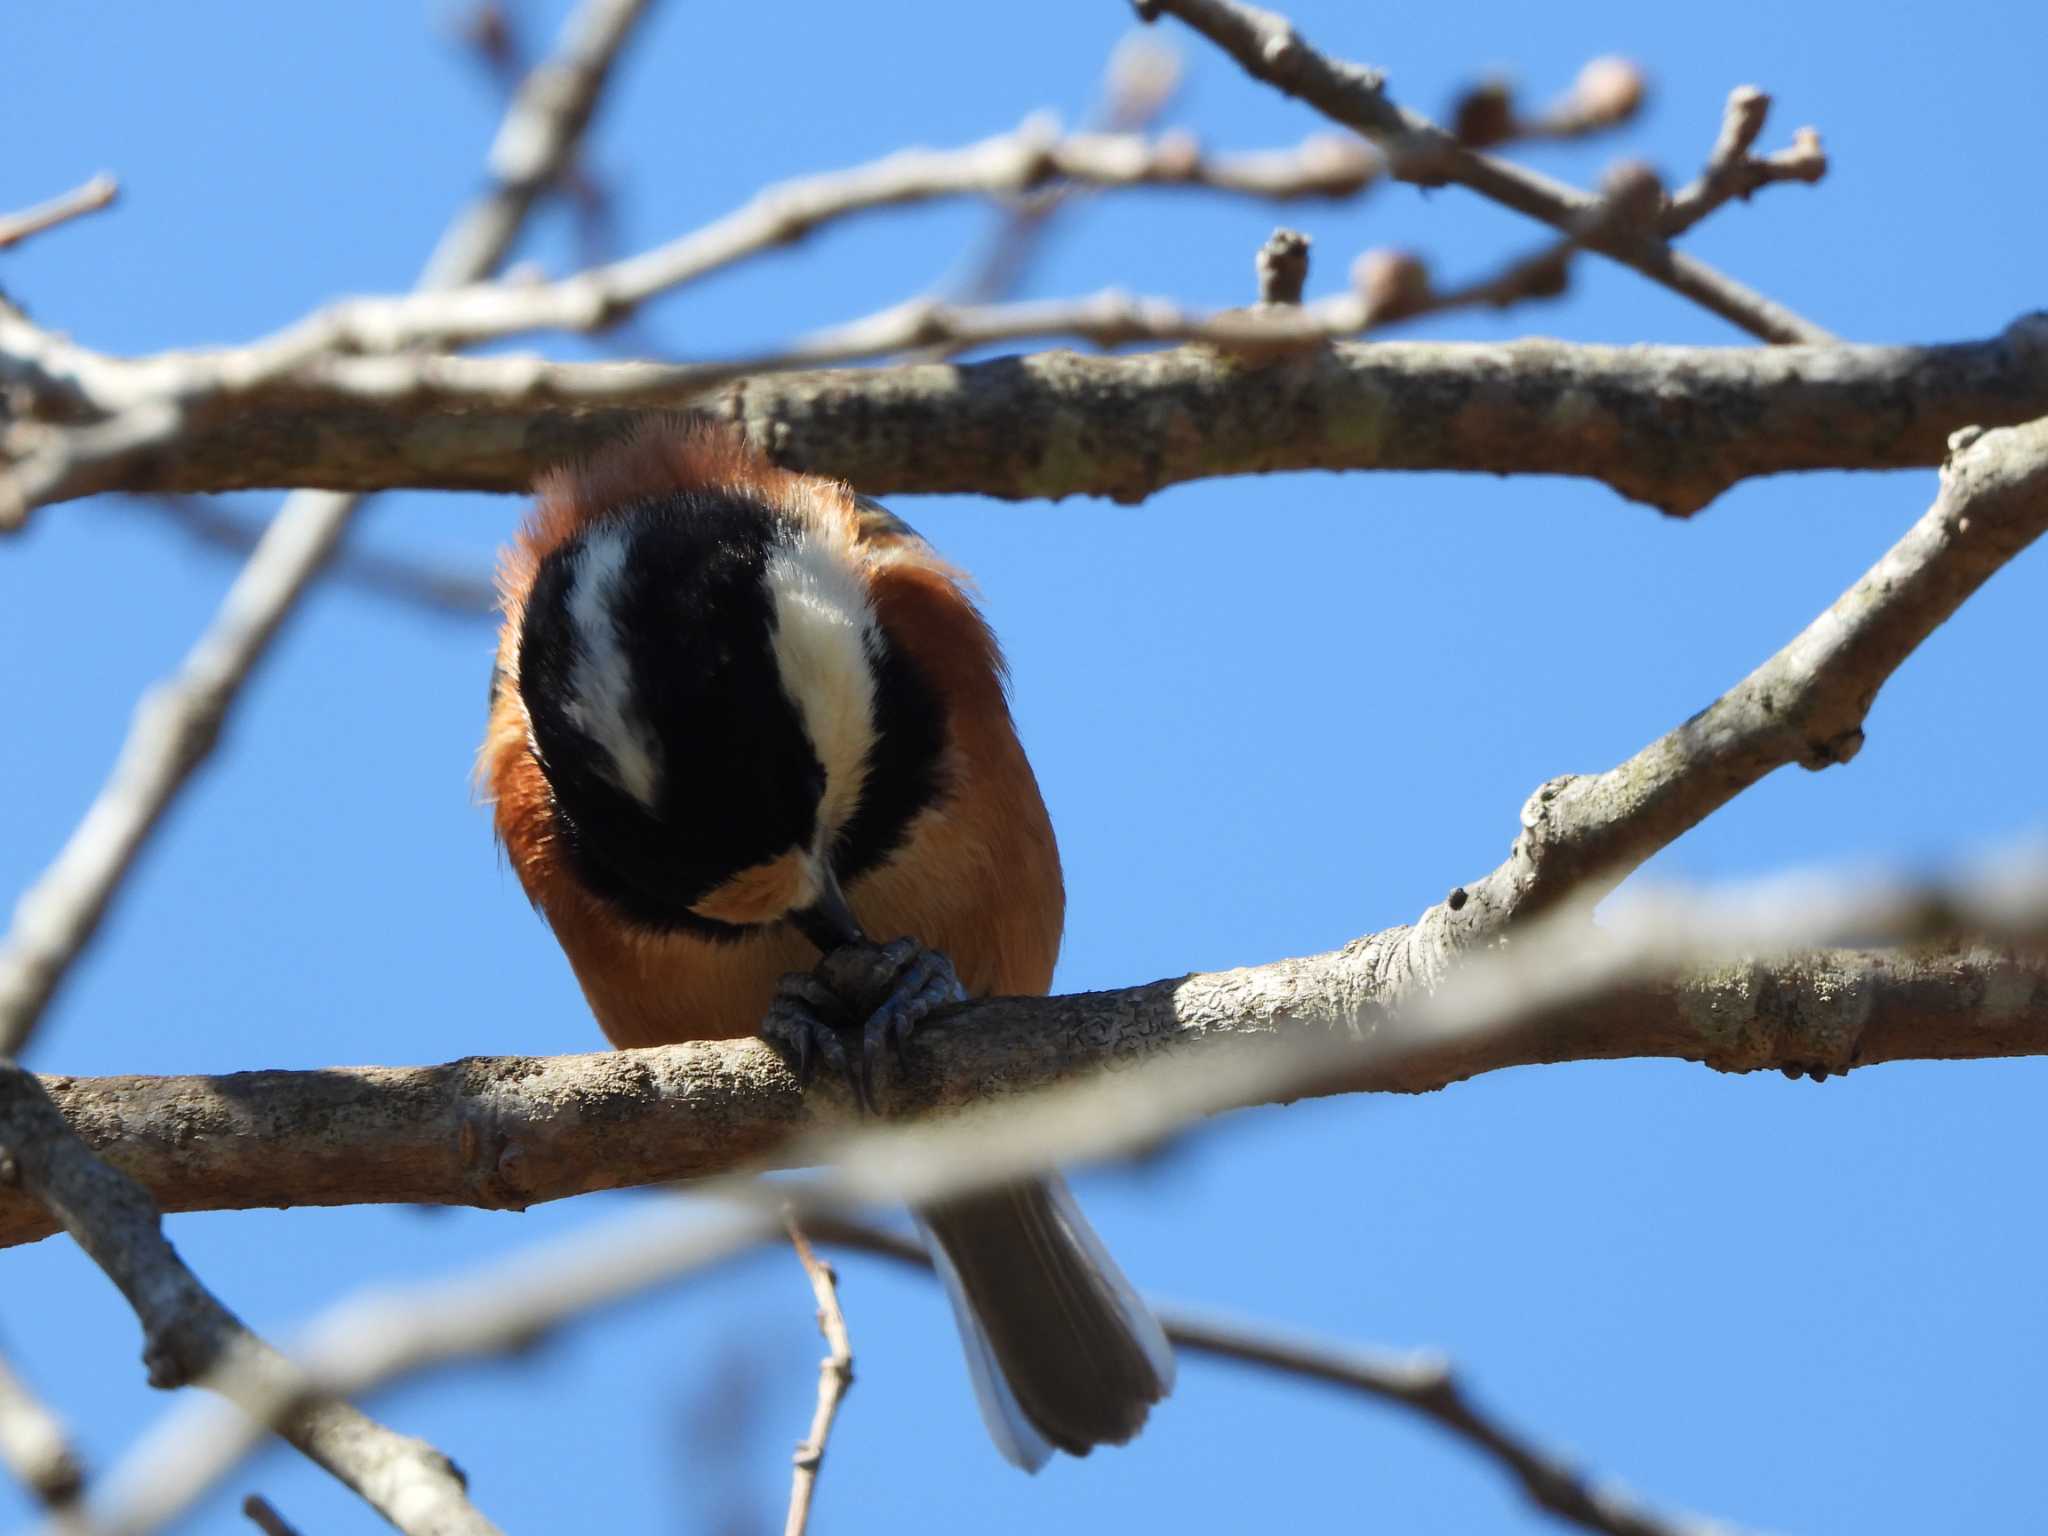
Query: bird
x,y
750,754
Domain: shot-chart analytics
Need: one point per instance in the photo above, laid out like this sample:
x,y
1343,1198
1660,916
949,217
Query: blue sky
x,y
1268,715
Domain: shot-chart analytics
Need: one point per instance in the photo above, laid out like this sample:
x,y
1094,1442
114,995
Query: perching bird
x,y
743,719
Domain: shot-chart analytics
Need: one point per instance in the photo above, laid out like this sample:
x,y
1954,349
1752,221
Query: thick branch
x,y
515,1131
1670,426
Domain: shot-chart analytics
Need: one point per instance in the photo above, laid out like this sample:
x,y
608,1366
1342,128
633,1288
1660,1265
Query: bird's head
x,y
725,727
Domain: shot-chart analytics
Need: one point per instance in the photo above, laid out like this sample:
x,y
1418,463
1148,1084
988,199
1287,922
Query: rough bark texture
x,y
514,1131
1670,426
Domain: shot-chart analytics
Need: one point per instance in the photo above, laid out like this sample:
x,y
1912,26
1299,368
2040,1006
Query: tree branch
x,y
178,723
34,1445
1421,1383
1270,49
1670,426
1732,171
528,1130
89,197
688,1111
835,1376
190,1338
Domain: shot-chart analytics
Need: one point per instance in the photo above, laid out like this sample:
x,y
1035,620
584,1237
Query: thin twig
x,y
1034,155
87,198
266,1518
1423,1384
1269,48
178,723
34,1445
1732,171
462,594
835,1377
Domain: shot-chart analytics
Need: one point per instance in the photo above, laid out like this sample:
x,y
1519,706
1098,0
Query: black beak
x,y
828,922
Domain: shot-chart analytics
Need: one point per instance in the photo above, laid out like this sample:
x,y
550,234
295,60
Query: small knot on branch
x,y
1282,266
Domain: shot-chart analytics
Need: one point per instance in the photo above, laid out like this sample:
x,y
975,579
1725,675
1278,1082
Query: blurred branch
x,y
1269,48
177,723
189,1338
34,1445
1670,426
92,196
265,1517
835,1376
460,593
1033,155
1422,1384
504,1308
693,1110
1732,171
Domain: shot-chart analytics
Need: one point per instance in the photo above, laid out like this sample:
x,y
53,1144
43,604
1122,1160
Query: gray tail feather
x,y
1064,1354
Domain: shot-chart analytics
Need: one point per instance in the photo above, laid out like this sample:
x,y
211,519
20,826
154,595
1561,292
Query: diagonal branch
x,y
35,1446
189,1337
89,197
178,723
1269,48
1582,834
1422,1384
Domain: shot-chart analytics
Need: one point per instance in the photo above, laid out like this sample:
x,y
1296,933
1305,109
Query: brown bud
x,y
1392,283
1484,115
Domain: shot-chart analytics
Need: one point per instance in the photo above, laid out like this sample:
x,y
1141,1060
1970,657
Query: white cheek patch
x,y
825,636
601,684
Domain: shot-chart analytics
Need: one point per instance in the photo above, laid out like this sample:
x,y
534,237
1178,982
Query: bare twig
x,y
1732,171
190,1338
34,1445
1608,92
87,198
1270,49
1034,155
1423,1384
177,724
1282,267
835,1376
266,1518
693,1110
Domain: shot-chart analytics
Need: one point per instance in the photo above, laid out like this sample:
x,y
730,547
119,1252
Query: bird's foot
x,y
864,997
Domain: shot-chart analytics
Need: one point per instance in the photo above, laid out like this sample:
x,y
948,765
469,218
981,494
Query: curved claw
x,y
925,981
805,1021
811,1016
